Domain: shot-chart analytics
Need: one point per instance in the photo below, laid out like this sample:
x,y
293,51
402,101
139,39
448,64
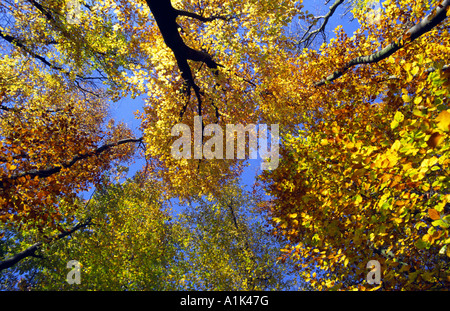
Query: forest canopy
x,y
357,122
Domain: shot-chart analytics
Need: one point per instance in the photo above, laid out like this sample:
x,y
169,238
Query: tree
x,y
130,241
55,134
363,121
224,245
126,246
365,176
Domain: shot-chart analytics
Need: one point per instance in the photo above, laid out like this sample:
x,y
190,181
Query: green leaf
x,y
441,223
420,244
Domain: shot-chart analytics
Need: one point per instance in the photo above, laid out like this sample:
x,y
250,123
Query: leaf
x,y
10,166
358,199
434,214
434,140
398,118
417,100
421,244
441,223
443,120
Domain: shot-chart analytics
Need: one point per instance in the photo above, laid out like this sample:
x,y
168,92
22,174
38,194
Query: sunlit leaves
x,y
52,112
367,170
128,246
136,243
364,158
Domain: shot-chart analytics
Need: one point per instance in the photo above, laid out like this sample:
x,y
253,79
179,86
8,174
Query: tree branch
x,y
20,44
20,256
424,26
325,17
30,251
42,10
202,18
165,16
56,169
6,108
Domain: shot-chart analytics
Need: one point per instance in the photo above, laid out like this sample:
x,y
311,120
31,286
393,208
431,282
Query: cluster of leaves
x,y
365,177
364,123
53,115
239,37
133,243
224,245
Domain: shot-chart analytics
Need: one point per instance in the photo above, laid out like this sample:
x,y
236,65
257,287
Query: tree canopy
x,y
363,119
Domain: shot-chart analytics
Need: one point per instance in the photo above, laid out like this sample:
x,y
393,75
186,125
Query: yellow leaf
x,y
324,142
415,70
397,220
345,262
396,146
406,98
11,166
427,238
350,145
407,66
443,120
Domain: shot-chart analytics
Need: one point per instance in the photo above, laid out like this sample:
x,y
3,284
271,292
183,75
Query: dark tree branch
x,y
18,43
42,10
23,155
424,26
309,36
165,16
31,251
21,45
202,18
18,257
6,108
57,168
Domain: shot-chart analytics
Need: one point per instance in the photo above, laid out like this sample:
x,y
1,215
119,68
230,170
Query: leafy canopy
x,y
364,123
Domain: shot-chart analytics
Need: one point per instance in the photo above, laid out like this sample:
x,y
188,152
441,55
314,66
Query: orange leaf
x,y
434,140
434,214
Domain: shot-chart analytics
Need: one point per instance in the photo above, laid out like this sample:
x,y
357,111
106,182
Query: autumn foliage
x,y
365,177
364,123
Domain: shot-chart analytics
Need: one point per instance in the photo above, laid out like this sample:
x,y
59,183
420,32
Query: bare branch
x,y
309,36
424,26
